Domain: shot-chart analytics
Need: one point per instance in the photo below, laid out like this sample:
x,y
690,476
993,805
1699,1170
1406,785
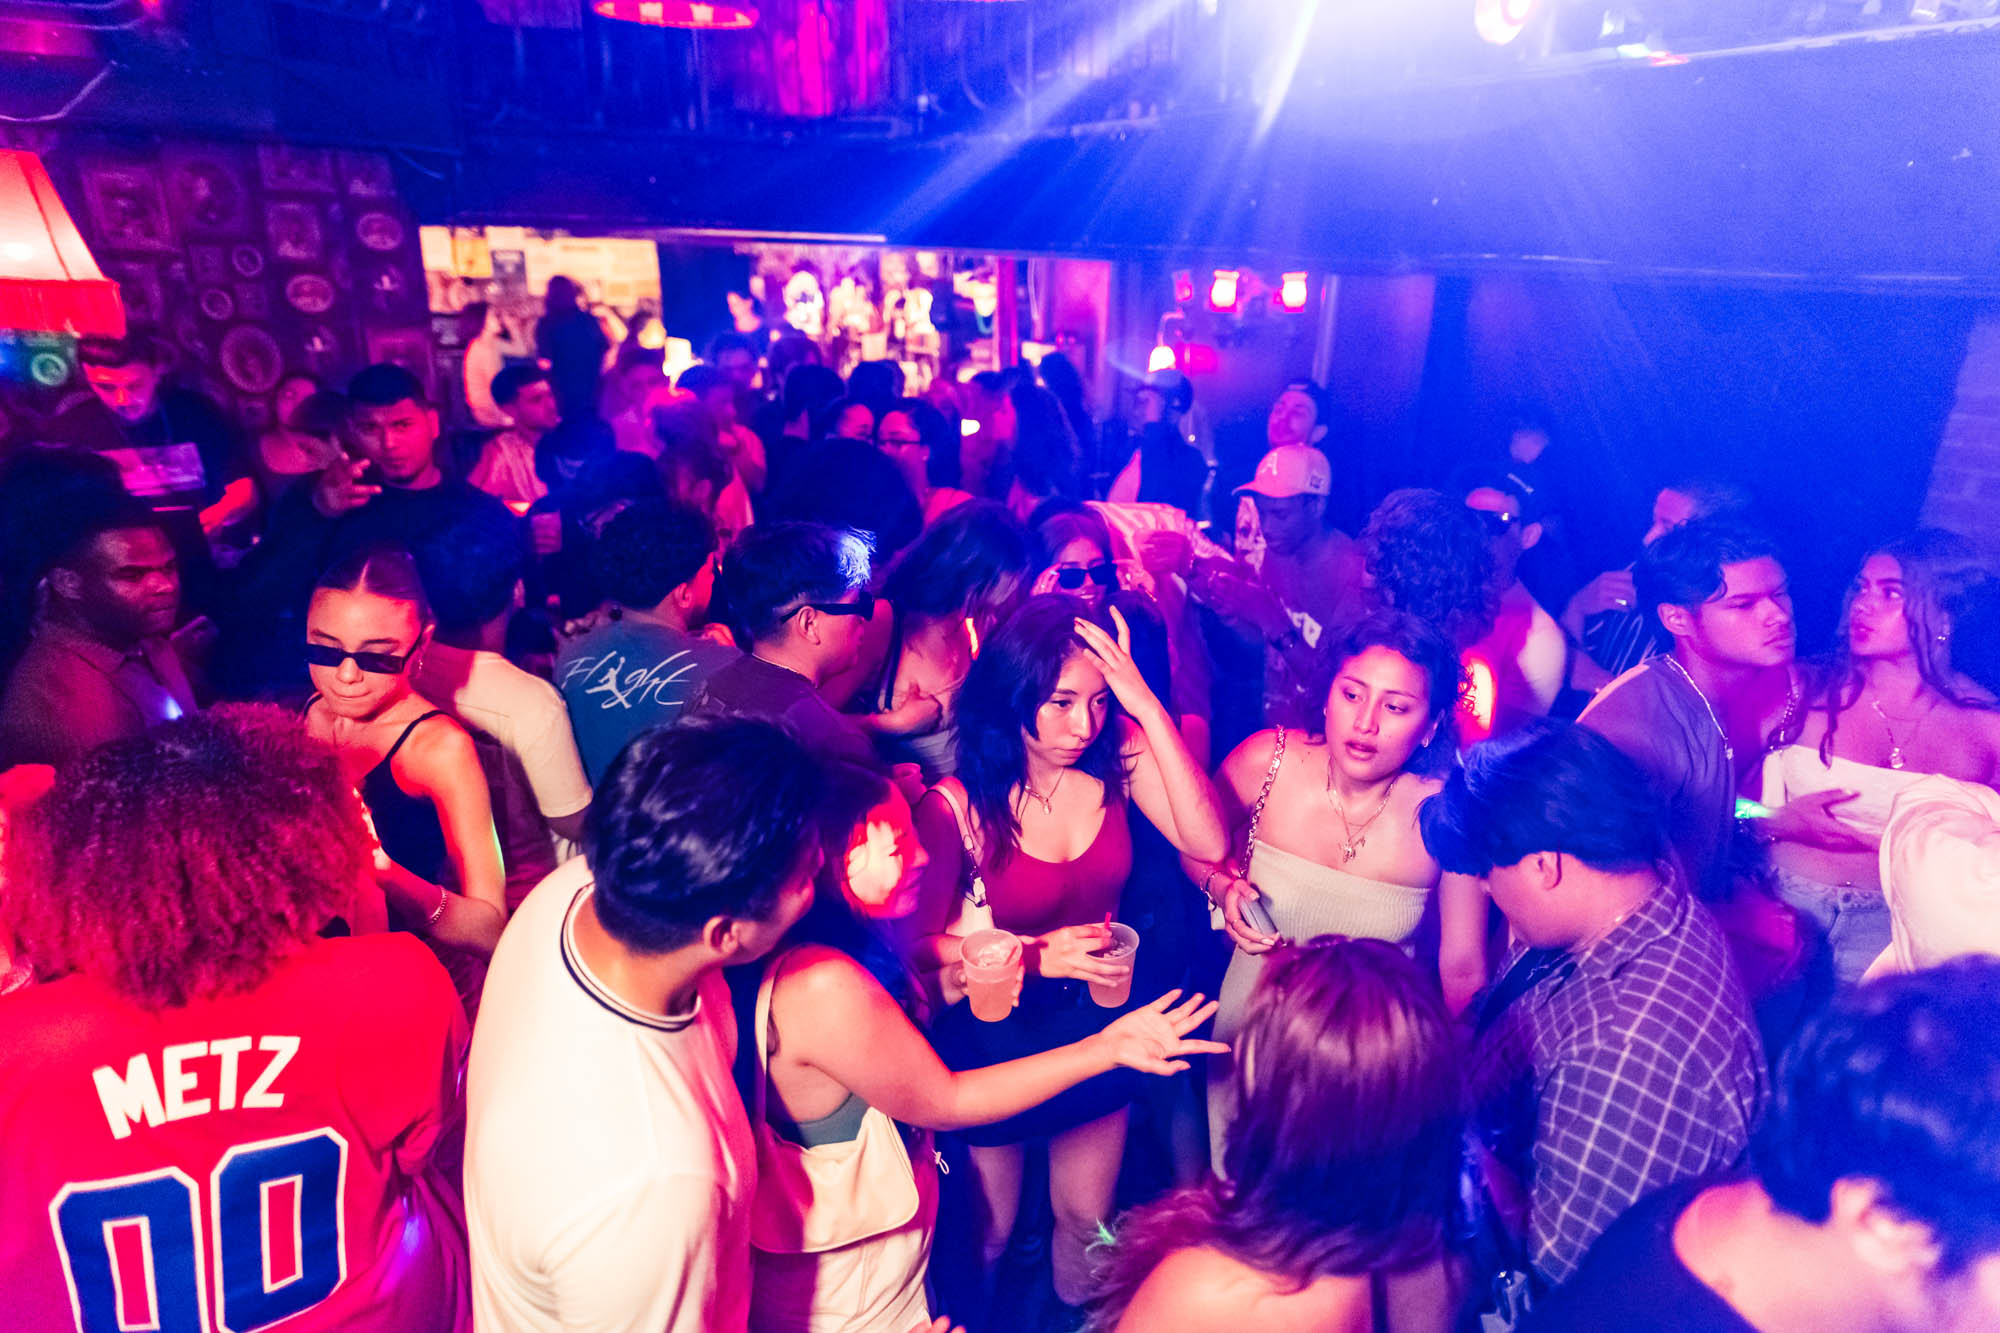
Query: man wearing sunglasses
x,y
796,595
1517,668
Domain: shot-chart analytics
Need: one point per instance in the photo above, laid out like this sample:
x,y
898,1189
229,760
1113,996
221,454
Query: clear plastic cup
x,y
1124,948
993,964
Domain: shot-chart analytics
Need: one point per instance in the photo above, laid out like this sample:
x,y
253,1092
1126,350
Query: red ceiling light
x,y
1292,292
48,281
678,13
1222,291
1198,359
1183,287
1501,21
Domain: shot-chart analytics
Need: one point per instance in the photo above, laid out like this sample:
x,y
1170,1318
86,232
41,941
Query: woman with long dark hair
x,y
1057,732
1327,839
848,1091
1074,554
1889,708
923,444
950,587
438,858
1340,1175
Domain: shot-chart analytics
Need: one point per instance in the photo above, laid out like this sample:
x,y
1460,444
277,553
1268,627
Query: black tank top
x,y
407,825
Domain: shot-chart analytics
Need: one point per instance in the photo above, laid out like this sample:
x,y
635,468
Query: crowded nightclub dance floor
x,y
1033,667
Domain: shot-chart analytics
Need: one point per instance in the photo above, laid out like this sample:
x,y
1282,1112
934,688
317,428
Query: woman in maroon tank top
x,y
1057,731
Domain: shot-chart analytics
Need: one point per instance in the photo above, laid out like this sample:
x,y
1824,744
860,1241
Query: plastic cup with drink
x,y
1123,949
993,973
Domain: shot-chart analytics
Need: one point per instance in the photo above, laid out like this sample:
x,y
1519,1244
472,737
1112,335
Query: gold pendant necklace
x,y
1355,839
1048,803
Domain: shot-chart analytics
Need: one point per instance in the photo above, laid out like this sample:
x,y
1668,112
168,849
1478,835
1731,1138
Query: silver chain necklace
x,y
1728,750
1895,748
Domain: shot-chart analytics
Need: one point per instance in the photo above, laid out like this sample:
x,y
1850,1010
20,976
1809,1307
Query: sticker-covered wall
x,y
252,261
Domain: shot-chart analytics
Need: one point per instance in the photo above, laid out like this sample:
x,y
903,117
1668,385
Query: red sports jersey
x,y
267,1160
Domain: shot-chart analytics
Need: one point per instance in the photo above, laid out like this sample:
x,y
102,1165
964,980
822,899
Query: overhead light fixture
x,y
48,281
1198,359
1292,292
678,13
1161,358
1183,287
1222,291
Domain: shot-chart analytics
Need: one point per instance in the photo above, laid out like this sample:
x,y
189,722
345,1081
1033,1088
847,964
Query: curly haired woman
x,y
1426,553
213,1113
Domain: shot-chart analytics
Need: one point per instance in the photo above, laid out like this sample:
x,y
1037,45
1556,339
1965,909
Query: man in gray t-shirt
x,y
656,564
1684,716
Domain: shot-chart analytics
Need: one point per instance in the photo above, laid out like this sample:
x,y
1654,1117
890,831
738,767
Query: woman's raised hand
x,y
1114,658
1070,952
1154,1040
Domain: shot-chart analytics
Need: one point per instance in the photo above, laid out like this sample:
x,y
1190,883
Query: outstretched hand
x,y
1154,1040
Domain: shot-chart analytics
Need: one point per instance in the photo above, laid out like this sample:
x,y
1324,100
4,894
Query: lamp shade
x,y
722,14
48,281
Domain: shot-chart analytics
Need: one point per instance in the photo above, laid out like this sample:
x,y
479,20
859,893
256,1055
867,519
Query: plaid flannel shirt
x,y
1630,1066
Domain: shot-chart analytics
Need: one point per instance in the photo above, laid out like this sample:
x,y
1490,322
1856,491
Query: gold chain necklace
x,y
1048,803
1355,839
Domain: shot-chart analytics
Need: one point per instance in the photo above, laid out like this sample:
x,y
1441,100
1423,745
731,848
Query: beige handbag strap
x,y
975,891
762,1028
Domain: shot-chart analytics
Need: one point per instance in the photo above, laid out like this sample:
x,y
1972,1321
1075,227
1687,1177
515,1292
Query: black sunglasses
x,y
375,664
1071,577
863,605
1496,524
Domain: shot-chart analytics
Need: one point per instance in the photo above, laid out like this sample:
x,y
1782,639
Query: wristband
x,y
444,896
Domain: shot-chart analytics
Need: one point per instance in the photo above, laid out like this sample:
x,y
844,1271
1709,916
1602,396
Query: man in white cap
x,y
1304,592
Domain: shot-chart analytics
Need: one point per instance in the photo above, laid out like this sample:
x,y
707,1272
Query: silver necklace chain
x,y
1728,750
1895,748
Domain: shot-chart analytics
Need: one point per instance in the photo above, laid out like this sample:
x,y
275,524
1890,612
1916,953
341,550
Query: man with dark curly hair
x,y
214,1117
1717,587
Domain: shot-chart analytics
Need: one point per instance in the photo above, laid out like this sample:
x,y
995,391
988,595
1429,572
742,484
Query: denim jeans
x,y
1853,920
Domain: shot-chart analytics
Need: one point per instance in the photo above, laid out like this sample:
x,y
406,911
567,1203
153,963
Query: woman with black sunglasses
x,y
415,767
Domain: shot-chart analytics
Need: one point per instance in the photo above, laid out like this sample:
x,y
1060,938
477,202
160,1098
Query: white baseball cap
x,y
1291,469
